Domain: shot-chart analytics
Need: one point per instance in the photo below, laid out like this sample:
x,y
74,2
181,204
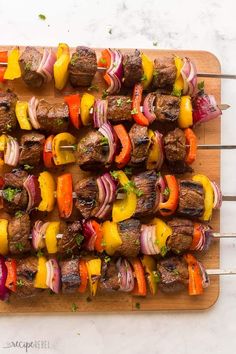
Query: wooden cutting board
x,y
207,163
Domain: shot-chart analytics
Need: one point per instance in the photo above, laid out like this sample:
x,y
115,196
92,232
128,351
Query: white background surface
x,y
207,25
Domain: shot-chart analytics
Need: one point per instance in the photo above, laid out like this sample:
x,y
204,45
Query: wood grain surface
x,y
208,162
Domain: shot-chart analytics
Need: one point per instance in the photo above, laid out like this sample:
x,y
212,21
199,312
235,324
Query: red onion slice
x,y
148,240
12,153
32,108
115,71
4,293
161,186
100,112
90,235
217,195
46,65
38,234
107,130
126,275
189,75
107,194
31,184
205,277
53,279
148,107
204,108
160,159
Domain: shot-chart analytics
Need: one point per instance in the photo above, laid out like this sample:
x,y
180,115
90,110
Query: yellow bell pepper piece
x,y
124,208
62,157
3,237
51,236
179,82
87,103
163,231
47,187
150,268
3,144
41,276
13,70
94,270
148,68
209,195
185,119
153,151
111,237
60,67
21,111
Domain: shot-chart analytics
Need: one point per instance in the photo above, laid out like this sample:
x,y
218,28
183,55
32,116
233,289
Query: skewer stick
x,y
221,271
216,147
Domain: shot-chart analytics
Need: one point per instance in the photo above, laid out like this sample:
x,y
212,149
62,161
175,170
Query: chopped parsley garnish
x,y
42,17
59,121
130,187
18,214
128,100
110,31
177,92
144,77
40,253
27,66
74,307
137,242
156,276
158,174
134,111
201,86
19,282
155,73
79,239
28,167
74,147
166,192
104,141
128,171
103,61
20,246
175,271
8,127
93,88
103,243
114,174
74,59
10,193
163,250
137,305
107,259
154,44
119,102
104,94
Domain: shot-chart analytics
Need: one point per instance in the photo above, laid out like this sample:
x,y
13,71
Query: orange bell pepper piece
x,y
64,195
196,236
168,207
124,156
73,102
47,152
11,274
191,140
83,272
138,116
140,284
98,230
195,278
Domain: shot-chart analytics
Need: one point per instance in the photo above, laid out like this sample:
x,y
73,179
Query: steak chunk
x,y
129,231
69,241
26,271
32,147
191,199
82,67
29,62
14,199
140,144
53,118
133,69
173,273
18,234
87,197
167,108
164,73
145,182
8,119
110,280
16,178
91,151
175,145
119,108
182,235
70,276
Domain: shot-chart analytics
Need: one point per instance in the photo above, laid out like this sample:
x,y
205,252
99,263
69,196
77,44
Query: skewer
x,y
221,271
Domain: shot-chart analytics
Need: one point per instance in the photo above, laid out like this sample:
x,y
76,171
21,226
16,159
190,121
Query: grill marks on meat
x,y
32,147
119,108
133,70
82,67
70,277
87,197
164,73
91,151
173,274
167,108
16,178
146,183
129,231
18,234
182,235
140,144
191,199
29,62
68,242
110,280
53,118
26,270
15,197
8,119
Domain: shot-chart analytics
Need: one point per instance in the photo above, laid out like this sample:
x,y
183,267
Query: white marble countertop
x,y
186,24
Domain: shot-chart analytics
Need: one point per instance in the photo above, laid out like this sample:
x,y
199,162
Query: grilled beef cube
x,y
191,199
182,235
87,197
53,118
129,231
82,67
110,280
167,108
140,144
173,273
164,73
119,108
18,234
175,145
29,62
70,276
91,151
133,69
145,182
26,270
8,119
14,199
32,147
15,179
69,241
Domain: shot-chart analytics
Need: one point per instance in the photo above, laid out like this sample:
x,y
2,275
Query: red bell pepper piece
x,y
83,272
140,287
4,56
11,274
195,278
124,156
64,195
138,116
191,140
169,206
196,236
73,102
98,230
105,59
2,72
47,152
